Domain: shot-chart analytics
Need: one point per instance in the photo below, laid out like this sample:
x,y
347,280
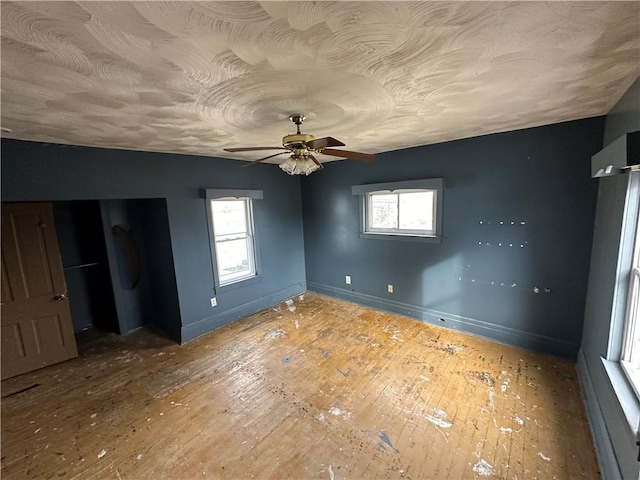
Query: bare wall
x,y
518,214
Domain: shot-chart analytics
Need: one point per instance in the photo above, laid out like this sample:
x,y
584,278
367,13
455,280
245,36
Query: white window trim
x,y
624,392
630,325
228,194
431,184
627,396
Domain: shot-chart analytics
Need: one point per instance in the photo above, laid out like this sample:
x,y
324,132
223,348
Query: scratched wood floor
x,y
316,389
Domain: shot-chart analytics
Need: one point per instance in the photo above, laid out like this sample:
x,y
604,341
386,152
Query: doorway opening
x,y
118,264
85,264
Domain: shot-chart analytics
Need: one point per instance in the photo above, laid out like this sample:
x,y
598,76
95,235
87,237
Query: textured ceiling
x,y
196,77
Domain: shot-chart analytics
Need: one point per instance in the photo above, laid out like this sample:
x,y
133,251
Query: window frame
x,y
247,196
399,231
365,192
627,396
631,324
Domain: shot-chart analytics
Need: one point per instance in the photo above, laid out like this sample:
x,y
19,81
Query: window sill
x,y
633,375
402,238
625,393
243,282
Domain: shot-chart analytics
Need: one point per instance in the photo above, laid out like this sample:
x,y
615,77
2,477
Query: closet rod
x,y
81,266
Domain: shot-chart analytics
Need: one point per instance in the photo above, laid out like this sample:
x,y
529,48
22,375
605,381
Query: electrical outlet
x,y
390,288
214,302
347,279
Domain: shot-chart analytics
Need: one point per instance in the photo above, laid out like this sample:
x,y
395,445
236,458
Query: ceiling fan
x,y
302,146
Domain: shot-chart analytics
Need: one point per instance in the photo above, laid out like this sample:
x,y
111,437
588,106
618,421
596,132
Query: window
x,y
402,210
233,243
622,359
630,359
233,239
407,212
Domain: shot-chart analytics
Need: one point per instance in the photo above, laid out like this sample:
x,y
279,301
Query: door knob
x,y
60,297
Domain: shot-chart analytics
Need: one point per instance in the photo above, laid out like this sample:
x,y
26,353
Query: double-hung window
x,y
623,349
630,359
402,210
231,228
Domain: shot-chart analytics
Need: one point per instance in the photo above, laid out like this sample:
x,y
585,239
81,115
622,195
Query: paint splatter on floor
x,y
483,468
544,457
396,337
290,305
452,349
438,418
504,386
339,413
385,438
277,333
492,394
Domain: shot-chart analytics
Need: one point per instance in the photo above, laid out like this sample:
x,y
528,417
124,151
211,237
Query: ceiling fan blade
x,y
315,160
250,149
324,143
363,157
262,159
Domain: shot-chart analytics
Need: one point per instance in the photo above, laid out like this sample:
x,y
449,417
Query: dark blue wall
x,y
131,286
44,172
159,257
145,292
615,437
536,182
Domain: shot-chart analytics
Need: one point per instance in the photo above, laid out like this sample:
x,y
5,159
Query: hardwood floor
x,y
319,388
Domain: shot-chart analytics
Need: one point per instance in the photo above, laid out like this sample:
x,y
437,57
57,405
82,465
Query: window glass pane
x,y
229,216
631,357
631,342
634,318
384,211
416,211
233,240
233,258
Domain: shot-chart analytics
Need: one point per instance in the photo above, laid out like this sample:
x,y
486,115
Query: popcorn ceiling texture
x,y
195,77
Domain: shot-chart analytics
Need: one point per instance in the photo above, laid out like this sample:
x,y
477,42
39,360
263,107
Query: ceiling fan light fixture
x,y
298,166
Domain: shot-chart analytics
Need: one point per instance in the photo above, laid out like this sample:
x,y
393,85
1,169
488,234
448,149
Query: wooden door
x,y
36,327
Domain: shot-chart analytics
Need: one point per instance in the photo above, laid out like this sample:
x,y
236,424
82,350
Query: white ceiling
x,y
196,77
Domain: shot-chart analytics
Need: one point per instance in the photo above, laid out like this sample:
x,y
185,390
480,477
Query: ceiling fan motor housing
x,y
297,140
